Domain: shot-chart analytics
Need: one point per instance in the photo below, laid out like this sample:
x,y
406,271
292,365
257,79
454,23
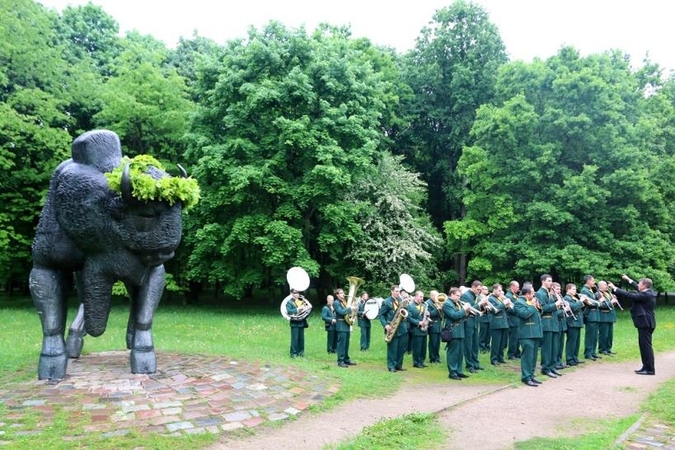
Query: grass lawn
x,y
262,335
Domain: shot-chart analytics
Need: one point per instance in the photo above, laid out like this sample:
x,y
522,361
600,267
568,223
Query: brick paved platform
x,y
188,394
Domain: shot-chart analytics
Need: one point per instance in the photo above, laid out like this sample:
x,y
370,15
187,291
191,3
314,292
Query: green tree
x,y
452,71
146,101
558,180
287,125
33,123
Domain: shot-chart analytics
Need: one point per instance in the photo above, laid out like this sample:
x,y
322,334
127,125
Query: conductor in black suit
x,y
642,307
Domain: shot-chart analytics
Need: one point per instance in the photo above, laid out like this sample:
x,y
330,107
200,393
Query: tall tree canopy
x,y
452,71
288,124
559,181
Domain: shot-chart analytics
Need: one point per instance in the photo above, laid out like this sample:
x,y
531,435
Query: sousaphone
x,y
407,283
299,280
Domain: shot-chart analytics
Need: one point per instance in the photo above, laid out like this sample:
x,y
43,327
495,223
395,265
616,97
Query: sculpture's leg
x,y
149,294
48,289
133,305
75,340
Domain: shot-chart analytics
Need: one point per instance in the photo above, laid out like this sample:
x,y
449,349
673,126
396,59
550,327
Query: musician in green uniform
x,y
549,326
297,325
484,333
343,329
575,322
398,344
529,334
512,294
328,317
471,328
364,322
418,322
499,325
592,318
561,315
455,313
436,318
607,310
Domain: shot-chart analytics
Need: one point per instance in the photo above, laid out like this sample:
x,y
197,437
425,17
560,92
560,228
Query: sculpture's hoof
x,y
74,344
143,362
52,367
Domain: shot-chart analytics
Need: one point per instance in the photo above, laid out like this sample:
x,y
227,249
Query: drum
x,y
371,309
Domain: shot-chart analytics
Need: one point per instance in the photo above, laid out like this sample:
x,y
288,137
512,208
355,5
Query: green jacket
x,y
327,315
511,312
292,309
470,298
363,320
607,311
340,312
577,307
436,317
592,313
530,321
454,318
549,312
387,312
498,318
415,318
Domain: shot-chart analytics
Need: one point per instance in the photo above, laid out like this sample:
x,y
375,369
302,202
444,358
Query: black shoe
x,y
592,358
462,375
571,364
343,365
549,374
423,365
392,370
580,362
556,373
530,383
472,370
480,368
454,377
534,380
401,369
561,366
640,370
350,363
494,363
417,366
646,372
597,356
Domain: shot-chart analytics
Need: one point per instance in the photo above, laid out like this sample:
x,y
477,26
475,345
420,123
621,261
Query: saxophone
x,y
399,316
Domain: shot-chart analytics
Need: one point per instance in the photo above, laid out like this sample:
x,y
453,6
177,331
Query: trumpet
x,y
489,307
472,311
589,301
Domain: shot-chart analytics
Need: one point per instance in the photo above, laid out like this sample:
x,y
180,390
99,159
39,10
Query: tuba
x,y
299,280
354,283
438,303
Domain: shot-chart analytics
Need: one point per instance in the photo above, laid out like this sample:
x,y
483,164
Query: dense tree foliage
x,y
288,124
502,169
561,178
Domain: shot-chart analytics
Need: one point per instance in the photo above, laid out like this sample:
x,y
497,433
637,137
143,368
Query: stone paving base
x,y
651,436
188,394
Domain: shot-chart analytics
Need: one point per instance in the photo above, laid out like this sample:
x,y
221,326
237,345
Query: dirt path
x,y
469,412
